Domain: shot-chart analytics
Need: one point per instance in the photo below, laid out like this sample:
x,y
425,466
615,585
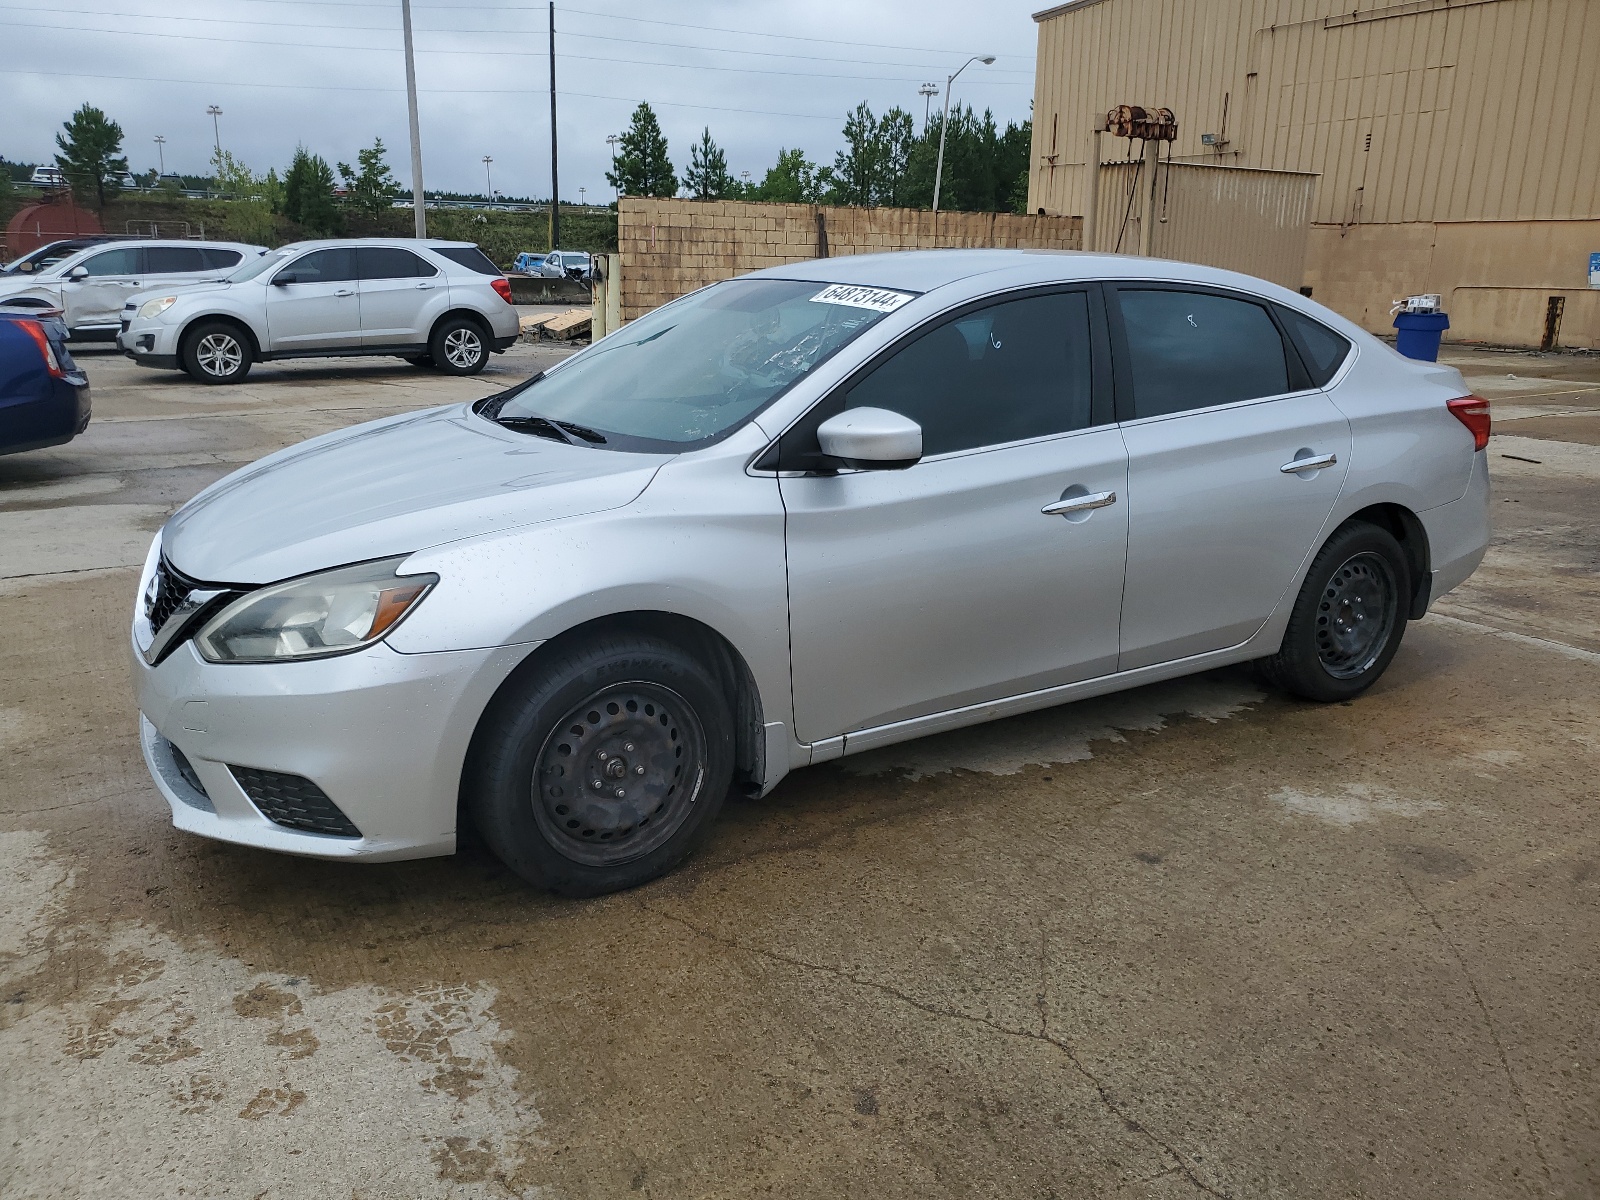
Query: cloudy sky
x,y
329,73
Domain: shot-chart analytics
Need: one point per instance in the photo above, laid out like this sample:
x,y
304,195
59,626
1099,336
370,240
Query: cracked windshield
x,y
697,369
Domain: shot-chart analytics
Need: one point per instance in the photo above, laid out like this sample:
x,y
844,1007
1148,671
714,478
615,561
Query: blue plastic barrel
x,y
1420,334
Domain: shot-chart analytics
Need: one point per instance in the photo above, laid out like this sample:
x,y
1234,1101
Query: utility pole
x,y
555,178
927,91
419,203
487,178
612,140
214,112
161,154
944,122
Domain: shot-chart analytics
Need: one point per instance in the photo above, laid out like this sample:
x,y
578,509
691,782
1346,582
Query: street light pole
x,y
555,177
214,112
487,178
944,122
927,91
161,154
419,203
612,140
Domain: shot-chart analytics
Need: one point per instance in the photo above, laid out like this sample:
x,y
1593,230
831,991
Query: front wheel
x,y
216,352
602,768
459,347
1348,619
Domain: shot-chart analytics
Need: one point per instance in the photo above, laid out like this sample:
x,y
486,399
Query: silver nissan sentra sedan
x,y
791,516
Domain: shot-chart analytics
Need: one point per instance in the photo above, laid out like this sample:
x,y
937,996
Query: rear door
x,y
174,264
313,304
396,287
96,301
1216,407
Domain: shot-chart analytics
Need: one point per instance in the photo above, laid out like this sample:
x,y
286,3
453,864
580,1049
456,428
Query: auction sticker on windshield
x,y
877,299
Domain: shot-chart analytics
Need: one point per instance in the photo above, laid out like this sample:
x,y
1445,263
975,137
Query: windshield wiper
x,y
561,431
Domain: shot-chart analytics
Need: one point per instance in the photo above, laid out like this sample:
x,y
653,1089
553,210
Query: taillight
x,y
502,285
36,331
1473,412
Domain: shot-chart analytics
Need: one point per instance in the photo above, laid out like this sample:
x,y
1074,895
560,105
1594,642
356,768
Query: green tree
x,y
793,179
643,168
91,155
308,194
372,186
707,177
871,169
250,210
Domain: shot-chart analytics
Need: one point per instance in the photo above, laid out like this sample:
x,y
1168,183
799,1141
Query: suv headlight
x,y
314,616
154,308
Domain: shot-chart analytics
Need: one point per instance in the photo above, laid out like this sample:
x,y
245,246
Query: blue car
x,y
44,395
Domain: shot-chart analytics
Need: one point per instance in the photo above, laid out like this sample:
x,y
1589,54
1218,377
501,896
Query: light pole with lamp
x,y
612,140
487,178
944,121
216,129
161,154
927,91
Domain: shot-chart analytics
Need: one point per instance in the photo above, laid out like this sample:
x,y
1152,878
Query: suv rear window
x,y
469,257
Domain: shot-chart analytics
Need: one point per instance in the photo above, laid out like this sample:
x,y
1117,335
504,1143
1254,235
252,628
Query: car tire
x,y
1349,618
601,767
419,360
216,352
459,346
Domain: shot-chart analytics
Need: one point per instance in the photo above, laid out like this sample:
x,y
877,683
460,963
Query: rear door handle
x,y
1079,504
423,287
1309,464
344,292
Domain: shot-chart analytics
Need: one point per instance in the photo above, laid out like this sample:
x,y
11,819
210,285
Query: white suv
x,y
91,286
440,304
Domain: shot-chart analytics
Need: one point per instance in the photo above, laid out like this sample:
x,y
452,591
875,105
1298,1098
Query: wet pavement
x,y
1191,939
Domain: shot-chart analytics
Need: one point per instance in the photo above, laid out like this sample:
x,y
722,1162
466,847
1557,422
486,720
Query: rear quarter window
x,y
1321,349
469,257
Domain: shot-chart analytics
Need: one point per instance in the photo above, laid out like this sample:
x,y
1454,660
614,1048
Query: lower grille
x,y
186,770
293,801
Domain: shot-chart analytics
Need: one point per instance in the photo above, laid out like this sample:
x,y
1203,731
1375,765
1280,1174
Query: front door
x,y
947,584
96,301
396,286
313,304
1216,405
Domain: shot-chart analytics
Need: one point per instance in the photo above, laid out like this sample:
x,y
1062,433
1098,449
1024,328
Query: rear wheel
x,y
459,346
602,768
1348,619
216,352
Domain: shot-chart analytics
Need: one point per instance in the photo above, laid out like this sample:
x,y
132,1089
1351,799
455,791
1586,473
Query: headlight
x,y
154,308
315,616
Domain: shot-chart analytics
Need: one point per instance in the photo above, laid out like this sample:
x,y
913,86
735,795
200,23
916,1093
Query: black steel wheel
x,y
1349,618
601,765
619,774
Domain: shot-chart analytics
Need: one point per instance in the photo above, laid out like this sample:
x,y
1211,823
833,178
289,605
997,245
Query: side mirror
x,y
78,274
284,279
25,268
871,439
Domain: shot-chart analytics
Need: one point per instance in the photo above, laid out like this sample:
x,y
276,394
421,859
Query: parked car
x,y
44,396
51,253
566,264
91,286
434,303
795,515
527,263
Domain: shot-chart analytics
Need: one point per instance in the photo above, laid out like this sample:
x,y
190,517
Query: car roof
x,y
925,270
402,242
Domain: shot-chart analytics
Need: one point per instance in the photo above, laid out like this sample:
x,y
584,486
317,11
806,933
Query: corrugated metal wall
x,y
1251,221
1419,111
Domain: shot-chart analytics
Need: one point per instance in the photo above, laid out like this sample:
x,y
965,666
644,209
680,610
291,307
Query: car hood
x,y
176,289
391,487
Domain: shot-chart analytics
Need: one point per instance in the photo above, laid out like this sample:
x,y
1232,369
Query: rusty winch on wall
x,y
1147,124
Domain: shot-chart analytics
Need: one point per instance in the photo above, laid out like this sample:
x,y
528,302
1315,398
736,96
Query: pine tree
x,y
91,157
707,177
308,194
372,187
643,168
793,179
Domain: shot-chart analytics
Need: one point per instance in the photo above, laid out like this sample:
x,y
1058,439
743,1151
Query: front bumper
x,y
383,734
150,343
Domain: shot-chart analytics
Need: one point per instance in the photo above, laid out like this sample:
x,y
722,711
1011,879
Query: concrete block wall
x,y
670,247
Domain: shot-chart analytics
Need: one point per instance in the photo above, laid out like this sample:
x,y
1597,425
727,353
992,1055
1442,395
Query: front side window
x,y
325,266
1014,370
174,260
698,368
1191,350
124,260
391,262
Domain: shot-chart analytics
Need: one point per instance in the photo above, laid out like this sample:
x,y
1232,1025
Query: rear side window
x,y
392,262
469,257
220,259
1011,371
124,260
1321,349
174,260
324,266
1195,350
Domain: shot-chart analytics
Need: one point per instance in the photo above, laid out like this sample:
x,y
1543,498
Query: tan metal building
x,y
1457,141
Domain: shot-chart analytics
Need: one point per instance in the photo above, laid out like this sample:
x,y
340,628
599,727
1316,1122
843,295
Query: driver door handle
x,y
424,287
344,292
1079,504
1309,464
